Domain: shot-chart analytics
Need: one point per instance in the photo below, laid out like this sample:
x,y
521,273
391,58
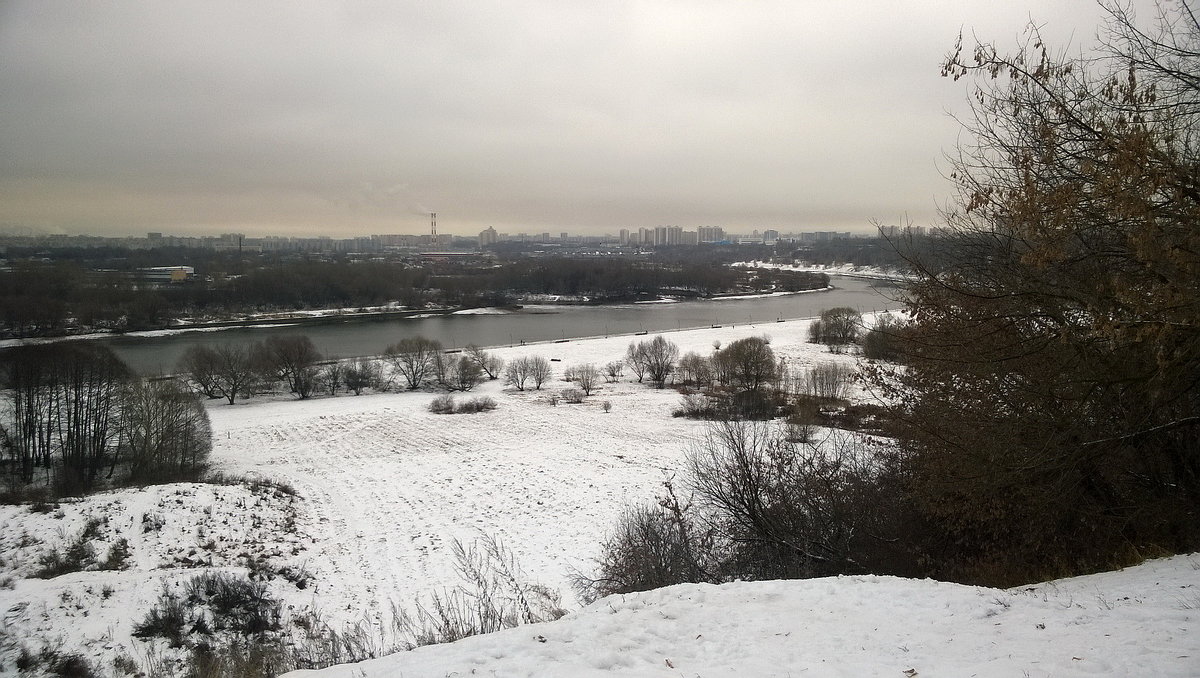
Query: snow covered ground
x,y
387,485
849,270
383,487
1143,621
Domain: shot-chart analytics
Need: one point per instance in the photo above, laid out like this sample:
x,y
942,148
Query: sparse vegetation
x,y
445,404
837,328
527,370
76,555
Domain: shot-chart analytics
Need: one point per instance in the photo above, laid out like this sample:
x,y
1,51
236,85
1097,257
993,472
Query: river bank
x,y
345,336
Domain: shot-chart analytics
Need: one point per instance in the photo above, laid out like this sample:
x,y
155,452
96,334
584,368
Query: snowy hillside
x,y
382,487
1143,621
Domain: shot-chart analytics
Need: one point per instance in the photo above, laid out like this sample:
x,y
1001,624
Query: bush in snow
x,y
443,404
474,405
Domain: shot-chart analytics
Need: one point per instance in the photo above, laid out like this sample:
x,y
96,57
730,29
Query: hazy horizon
x,y
354,119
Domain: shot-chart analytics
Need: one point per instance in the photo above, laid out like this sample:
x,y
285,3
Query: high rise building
x,y
488,236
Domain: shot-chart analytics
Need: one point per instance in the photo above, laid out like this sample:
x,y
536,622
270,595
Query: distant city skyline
x,y
350,119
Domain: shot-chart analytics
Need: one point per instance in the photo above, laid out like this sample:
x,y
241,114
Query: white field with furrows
x,y
383,487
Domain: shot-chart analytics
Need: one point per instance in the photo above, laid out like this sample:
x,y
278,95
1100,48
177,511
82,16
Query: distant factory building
x,y
167,274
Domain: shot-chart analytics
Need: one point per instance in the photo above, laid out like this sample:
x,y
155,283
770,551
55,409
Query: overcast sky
x,y
354,118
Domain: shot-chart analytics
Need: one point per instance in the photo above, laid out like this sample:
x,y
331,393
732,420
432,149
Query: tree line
x,y
46,299
78,420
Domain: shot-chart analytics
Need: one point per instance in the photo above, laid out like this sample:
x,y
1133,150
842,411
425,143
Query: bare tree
x,y
491,364
837,328
165,433
463,374
748,363
332,375
660,359
539,371
200,365
525,370
234,375
292,359
516,373
361,375
587,377
695,369
613,371
635,358
65,411
415,358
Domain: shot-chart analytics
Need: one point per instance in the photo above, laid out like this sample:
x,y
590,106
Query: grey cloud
x,y
354,117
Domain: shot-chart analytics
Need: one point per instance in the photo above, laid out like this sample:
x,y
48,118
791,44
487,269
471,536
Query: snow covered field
x,y
383,487
1139,622
387,485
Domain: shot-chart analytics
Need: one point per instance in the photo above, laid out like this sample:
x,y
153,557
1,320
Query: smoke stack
x,y
433,239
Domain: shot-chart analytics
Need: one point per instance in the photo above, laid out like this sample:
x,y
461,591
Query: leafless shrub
x,y
475,405
414,358
789,511
443,404
828,381
696,406
527,370
463,374
587,378
362,374
613,371
491,364
695,369
653,545
332,375
573,396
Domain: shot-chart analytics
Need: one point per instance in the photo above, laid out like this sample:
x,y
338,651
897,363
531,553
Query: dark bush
x,y
235,602
653,545
476,405
169,619
883,340
443,404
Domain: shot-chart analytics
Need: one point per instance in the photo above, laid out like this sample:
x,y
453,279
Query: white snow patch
x,y
1127,623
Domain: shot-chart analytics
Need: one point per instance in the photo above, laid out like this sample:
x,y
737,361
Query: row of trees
x,y
231,371
1044,418
78,419
39,298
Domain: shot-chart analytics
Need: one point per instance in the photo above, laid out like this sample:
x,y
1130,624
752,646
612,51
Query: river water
x,y
357,337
